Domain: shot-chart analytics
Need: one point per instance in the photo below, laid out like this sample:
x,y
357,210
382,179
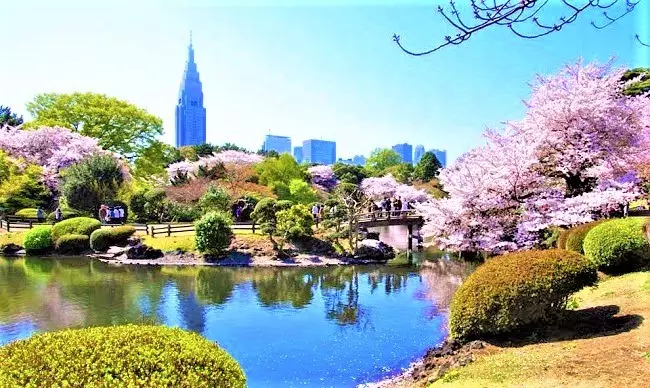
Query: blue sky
x,y
329,70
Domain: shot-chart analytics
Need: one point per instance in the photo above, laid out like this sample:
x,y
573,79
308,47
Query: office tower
x,y
279,144
441,155
190,113
419,151
359,160
405,152
297,154
319,151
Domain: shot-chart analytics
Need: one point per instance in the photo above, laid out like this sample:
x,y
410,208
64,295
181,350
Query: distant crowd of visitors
x,y
40,214
388,206
111,215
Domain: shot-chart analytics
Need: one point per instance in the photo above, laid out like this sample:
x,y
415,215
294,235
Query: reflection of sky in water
x,y
285,327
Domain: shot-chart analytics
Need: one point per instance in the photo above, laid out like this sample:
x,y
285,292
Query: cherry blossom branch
x,y
515,14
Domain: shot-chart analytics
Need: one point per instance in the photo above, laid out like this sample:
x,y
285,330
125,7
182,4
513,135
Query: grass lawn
x,y
170,244
608,345
12,237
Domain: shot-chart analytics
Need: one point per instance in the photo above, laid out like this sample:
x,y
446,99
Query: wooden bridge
x,y
389,218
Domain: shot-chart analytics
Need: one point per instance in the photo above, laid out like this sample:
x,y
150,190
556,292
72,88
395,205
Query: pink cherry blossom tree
x,y
189,170
386,186
572,158
323,177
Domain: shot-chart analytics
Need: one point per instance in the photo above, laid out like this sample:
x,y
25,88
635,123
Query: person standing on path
x,y
58,215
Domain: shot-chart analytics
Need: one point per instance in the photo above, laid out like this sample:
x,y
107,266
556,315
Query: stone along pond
x,y
336,326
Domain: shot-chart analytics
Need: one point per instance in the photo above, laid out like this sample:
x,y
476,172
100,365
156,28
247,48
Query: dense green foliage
x,y
154,159
295,222
265,216
213,233
215,198
347,173
380,159
77,225
27,213
551,237
637,88
403,172
148,205
91,182
38,239
21,185
297,191
427,168
7,117
617,244
514,290
576,236
280,170
130,355
118,125
102,239
72,243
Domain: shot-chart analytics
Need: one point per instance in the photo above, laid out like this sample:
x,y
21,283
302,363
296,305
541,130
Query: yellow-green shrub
x,y
77,225
517,289
38,239
27,213
118,356
72,243
577,234
102,239
617,244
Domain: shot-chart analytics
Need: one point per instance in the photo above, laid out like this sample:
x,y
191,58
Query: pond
x,y
336,326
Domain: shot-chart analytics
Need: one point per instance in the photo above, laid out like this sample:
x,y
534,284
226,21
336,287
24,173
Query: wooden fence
x,y
16,224
170,229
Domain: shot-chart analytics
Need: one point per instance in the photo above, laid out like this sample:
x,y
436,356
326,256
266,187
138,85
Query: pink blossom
x,y
190,169
387,186
323,176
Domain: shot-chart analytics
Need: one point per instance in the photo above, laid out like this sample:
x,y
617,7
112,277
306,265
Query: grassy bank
x,y
605,342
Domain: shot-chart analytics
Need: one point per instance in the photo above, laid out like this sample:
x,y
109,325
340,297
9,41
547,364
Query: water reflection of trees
x,y
442,277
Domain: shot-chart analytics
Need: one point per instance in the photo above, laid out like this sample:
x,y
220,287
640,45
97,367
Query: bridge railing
x,y
382,215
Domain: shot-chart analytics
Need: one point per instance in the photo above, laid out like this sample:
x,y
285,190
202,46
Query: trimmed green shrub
x,y
102,239
38,239
65,214
77,225
561,239
576,236
27,213
129,355
72,243
617,244
517,289
550,237
213,233
295,222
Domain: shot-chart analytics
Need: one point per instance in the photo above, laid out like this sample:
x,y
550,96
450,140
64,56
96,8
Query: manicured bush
x,y
561,239
72,243
65,214
130,355
617,244
102,239
213,233
517,289
27,213
38,239
77,225
576,236
295,222
550,237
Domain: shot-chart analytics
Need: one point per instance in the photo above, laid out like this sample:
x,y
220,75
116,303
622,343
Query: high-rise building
x,y
279,144
359,160
319,151
441,155
417,155
297,154
405,152
190,113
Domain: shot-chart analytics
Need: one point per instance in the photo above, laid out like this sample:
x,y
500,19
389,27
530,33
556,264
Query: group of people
x,y
111,215
388,206
40,214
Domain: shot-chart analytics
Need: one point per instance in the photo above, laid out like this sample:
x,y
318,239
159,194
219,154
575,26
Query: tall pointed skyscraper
x,y
190,113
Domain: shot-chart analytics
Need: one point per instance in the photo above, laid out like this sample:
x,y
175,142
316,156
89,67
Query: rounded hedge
x,y
27,213
561,239
577,234
72,243
38,239
617,244
130,355
77,225
102,239
65,214
517,289
213,233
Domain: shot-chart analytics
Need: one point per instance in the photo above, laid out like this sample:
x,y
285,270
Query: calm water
x,y
338,326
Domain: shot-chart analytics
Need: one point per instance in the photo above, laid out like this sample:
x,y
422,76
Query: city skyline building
x,y
319,151
417,154
441,155
297,154
190,112
279,144
405,152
